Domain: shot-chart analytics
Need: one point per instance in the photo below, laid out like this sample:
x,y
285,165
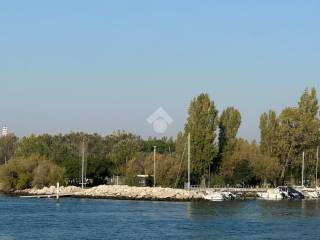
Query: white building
x,y
5,131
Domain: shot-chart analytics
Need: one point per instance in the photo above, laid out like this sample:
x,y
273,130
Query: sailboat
x,y
208,194
310,192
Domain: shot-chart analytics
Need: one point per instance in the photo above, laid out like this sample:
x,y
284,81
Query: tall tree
x,y
308,119
308,104
229,124
124,150
236,167
296,130
202,124
289,139
8,146
269,125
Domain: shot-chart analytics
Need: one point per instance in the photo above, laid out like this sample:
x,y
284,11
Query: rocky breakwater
x,y
70,190
121,192
140,193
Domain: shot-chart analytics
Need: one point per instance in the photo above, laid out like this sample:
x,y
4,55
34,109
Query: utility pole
x,y
317,167
154,165
302,170
189,159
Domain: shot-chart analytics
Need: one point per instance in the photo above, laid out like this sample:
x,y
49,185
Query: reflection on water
x,y
214,209
110,219
254,209
296,208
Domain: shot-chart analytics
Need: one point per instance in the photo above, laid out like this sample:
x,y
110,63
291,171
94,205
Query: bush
x,y
47,174
33,171
8,176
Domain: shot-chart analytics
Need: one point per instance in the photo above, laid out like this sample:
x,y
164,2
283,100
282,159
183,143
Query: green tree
x,y
46,173
269,126
65,150
164,145
296,130
123,151
229,124
308,119
8,146
202,124
289,140
265,168
33,171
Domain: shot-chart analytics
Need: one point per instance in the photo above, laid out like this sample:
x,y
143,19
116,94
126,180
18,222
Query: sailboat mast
x,y
302,171
82,166
317,167
189,153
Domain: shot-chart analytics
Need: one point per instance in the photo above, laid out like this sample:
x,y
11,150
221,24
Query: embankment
x,y
120,192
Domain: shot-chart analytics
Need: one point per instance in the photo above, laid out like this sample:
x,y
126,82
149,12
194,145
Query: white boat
x,y
272,194
280,193
218,196
310,193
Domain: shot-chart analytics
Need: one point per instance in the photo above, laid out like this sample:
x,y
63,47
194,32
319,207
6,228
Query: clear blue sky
x,y
100,66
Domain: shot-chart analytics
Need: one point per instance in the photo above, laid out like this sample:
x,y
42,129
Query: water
x,y
110,219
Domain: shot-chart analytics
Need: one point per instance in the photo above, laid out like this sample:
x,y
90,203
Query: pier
x,y
47,196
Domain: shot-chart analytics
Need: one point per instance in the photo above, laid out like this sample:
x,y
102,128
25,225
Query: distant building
x,y
5,131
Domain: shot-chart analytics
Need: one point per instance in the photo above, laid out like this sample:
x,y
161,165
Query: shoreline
x,y
114,192
124,192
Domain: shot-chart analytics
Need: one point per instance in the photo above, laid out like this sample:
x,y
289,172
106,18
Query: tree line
x,y
218,155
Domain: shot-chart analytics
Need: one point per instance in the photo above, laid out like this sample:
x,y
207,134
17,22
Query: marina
x,y
170,194
159,120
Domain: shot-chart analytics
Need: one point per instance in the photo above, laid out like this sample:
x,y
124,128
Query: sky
x,y
102,66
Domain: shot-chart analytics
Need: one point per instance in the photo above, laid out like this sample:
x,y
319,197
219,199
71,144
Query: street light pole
x,y
154,165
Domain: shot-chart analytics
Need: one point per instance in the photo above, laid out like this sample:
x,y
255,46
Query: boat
x,y
271,194
310,193
294,194
280,193
218,196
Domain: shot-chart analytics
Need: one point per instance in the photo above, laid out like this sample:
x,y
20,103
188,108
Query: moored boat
x,y
218,196
280,193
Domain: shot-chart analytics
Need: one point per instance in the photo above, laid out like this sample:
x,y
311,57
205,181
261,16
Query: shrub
x,y
33,171
47,174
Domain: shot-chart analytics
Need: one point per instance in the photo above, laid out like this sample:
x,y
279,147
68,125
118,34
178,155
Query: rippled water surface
x,y
110,219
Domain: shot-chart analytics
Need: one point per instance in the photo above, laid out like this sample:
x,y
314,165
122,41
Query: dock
x,y
47,196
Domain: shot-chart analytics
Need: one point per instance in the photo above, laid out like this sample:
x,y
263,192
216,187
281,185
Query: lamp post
x,y
154,165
